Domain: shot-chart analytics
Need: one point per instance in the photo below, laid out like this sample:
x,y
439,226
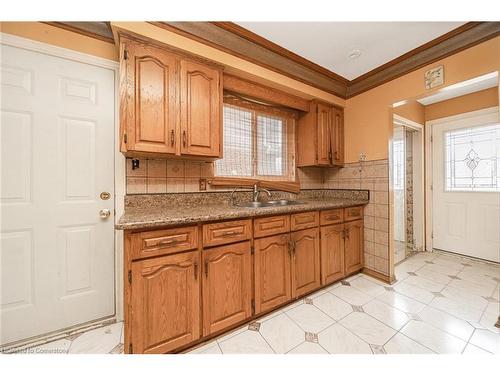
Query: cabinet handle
x,y
290,247
196,270
347,233
184,138
206,268
343,233
170,242
332,217
229,233
336,155
172,140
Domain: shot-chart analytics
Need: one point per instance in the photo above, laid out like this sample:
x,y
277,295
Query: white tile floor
x,y
440,304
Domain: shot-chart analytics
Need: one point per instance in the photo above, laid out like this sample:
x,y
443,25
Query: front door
x,y
466,185
57,157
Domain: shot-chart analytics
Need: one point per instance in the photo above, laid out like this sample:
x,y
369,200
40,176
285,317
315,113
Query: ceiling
x,y
329,43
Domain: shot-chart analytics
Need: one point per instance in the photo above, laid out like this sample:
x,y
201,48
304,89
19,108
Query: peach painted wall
x,y
368,115
62,38
413,111
467,103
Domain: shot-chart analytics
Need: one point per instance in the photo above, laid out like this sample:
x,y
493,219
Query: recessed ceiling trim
x,y
470,86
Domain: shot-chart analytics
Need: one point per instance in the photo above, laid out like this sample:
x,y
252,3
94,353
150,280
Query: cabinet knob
x,y
172,138
184,138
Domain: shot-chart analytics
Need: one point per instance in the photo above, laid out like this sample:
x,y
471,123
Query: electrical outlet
x,y
203,184
362,156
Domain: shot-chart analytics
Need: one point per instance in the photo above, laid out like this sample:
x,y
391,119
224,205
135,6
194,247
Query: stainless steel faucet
x,y
256,192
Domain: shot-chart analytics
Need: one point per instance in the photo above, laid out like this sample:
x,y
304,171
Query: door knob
x,y
104,213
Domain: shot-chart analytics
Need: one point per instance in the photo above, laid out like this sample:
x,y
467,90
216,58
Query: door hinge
x,y
130,349
125,138
432,187
125,54
432,234
431,138
253,306
252,249
130,277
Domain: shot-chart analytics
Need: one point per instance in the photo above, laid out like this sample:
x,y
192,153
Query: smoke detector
x,y
354,54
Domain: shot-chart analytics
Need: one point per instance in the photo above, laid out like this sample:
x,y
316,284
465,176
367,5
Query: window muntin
x,y
257,144
472,159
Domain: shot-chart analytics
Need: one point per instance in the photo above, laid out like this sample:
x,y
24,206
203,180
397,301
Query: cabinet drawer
x,y
226,232
353,213
161,242
331,216
305,220
268,226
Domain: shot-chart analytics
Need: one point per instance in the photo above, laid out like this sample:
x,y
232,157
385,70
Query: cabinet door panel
x,y
332,253
272,272
324,119
201,103
150,99
337,137
354,246
165,306
305,262
227,286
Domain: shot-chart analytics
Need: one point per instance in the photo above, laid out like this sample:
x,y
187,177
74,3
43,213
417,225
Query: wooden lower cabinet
x,y
272,272
332,253
305,261
227,286
165,303
353,246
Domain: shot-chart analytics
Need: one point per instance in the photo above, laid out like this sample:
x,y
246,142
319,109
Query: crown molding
x,y
240,42
266,54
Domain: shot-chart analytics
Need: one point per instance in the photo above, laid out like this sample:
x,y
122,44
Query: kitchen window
x,y
258,142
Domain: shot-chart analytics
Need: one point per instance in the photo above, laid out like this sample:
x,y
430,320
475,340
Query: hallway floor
x,y
440,304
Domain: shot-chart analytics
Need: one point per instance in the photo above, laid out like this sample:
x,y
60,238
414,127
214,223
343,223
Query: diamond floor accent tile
x,y
466,264
454,277
438,294
357,308
411,273
309,301
311,337
414,316
377,349
118,349
389,288
72,337
254,326
346,283
429,262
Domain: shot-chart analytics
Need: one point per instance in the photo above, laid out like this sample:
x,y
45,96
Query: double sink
x,y
275,203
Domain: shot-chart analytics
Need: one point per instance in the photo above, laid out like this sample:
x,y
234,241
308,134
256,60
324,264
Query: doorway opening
x,y
407,187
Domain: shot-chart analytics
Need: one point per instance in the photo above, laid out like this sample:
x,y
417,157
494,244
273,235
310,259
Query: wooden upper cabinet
x,y
305,261
170,104
332,253
272,272
320,136
149,103
201,108
337,137
227,286
323,128
353,246
165,302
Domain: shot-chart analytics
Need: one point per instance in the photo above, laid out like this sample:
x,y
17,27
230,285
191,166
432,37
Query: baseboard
x,y
379,276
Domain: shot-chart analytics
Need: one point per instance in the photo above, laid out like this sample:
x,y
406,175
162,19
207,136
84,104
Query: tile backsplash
x,y
154,176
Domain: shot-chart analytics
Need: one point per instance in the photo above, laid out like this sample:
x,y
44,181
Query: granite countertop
x,y
179,214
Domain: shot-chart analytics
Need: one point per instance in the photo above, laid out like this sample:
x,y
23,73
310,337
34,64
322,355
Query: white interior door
x,y
57,137
466,185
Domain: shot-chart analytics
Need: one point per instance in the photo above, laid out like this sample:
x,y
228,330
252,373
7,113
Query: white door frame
x,y
119,159
429,164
